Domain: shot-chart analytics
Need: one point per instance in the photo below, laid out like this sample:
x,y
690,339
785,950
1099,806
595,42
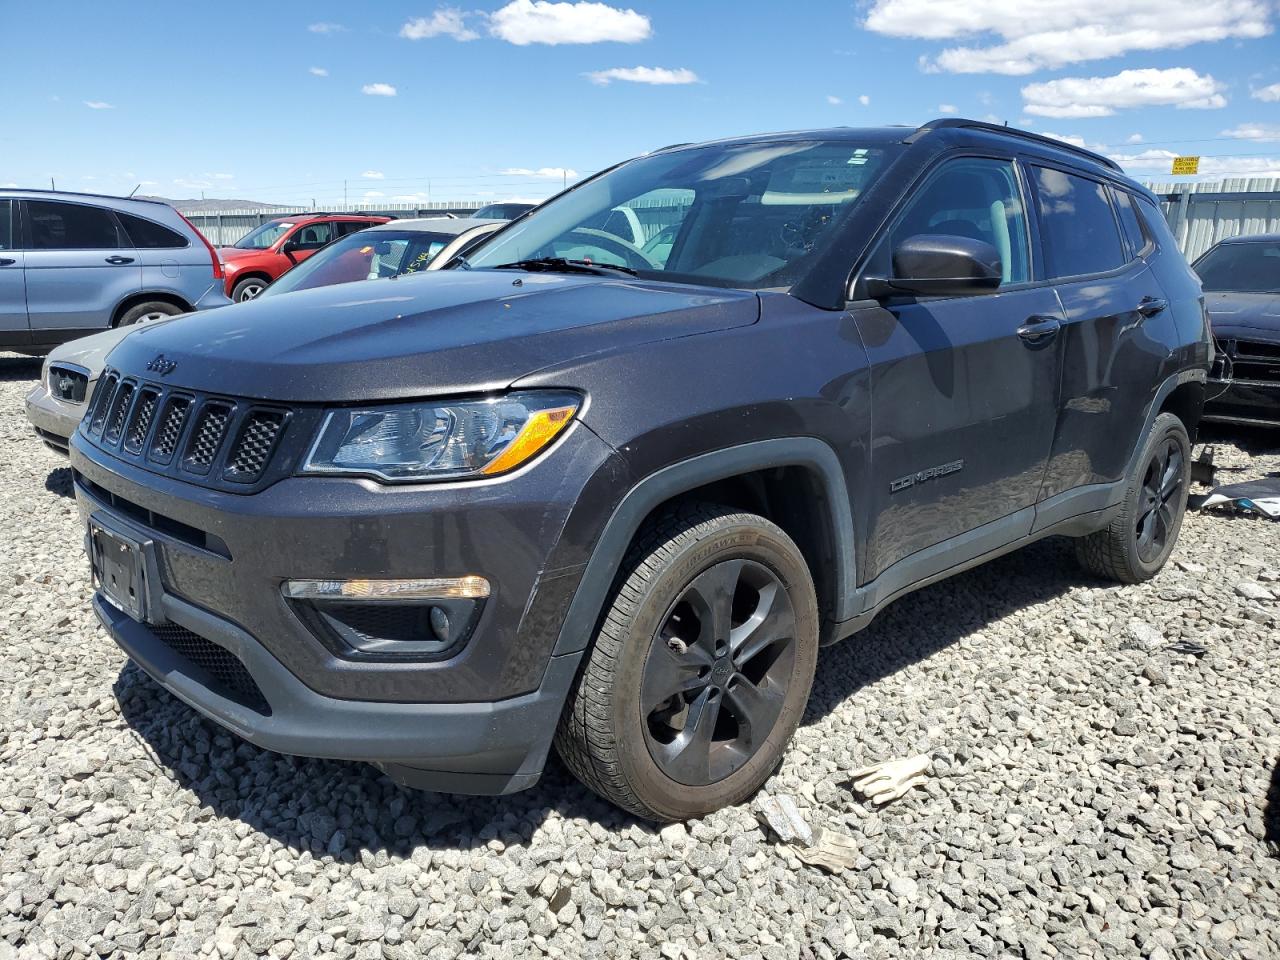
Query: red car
x,y
280,244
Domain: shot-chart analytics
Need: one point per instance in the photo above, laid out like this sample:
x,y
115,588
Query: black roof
x,y
1251,237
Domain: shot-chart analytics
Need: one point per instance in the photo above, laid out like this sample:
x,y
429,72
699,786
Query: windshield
x,y
741,215
501,211
265,235
367,255
1241,267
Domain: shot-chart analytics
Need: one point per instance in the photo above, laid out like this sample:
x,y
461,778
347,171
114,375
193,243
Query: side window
x,y
148,235
974,198
314,235
351,226
71,226
6,225
1077,224
1157,225
1129,222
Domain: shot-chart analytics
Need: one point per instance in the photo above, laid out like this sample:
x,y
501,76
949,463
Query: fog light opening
x,y
470,587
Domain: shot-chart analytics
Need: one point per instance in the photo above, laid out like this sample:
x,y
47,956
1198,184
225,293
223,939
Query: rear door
x,y
964,390
13,293
309,238
79,267
1114,336
168,260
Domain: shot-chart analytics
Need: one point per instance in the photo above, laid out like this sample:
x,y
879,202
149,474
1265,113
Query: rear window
x,y
72,226
148,235
1078,225
6,224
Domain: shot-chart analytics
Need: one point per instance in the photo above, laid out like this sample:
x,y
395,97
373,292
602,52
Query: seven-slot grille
x,y
205,439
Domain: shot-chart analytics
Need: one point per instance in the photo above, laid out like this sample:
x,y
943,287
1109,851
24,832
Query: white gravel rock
x,y
1103,758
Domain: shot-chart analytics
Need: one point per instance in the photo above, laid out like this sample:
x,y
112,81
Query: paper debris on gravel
x,y
831,850
784,818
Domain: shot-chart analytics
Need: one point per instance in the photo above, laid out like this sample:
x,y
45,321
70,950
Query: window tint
x,y
973,198
1129,222
1157,226
351,226
6,225
1252,267
1077,224
313,236
71,226
148,235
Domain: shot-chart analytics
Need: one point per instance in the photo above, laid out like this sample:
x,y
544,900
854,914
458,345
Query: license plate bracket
x,y
119,570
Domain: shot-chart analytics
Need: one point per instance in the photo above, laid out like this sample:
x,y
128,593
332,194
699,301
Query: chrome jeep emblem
x,y
162,365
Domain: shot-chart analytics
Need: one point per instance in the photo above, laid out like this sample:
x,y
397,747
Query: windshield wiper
x,y
566,265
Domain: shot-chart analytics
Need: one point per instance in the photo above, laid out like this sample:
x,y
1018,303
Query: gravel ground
x,y
1104,759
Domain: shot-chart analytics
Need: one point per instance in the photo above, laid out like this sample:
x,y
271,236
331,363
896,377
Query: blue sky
x,y
284,101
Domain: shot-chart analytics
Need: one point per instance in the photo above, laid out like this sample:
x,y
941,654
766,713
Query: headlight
x,y
440,441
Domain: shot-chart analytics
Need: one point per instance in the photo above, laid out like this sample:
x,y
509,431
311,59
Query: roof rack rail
x,y
80,193
954,122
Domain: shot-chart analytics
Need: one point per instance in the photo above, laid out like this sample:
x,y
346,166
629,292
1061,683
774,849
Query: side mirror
x,y
937,265
290,246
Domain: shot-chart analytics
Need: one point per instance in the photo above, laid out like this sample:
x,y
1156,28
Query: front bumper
x,y
54,420
1245,402
480,720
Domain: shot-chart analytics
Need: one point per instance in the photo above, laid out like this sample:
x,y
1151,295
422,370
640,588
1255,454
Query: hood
x,y
427,334
234,255
1253,316
91,352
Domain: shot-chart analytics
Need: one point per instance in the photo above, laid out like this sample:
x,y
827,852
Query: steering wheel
x,y
631,255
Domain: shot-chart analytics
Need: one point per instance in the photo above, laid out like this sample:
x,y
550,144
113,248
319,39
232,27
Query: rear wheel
x,y
1138,542
248,288
701,669
151,310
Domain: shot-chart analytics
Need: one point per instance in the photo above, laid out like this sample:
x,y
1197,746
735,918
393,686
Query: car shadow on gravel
x,y
344,809
13,369
916,626
1255,441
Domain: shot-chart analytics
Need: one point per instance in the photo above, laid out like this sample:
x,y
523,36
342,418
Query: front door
x,y
13,292
80,267
964,390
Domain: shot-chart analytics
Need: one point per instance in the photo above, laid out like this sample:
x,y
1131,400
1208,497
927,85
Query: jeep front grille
x,y
210,440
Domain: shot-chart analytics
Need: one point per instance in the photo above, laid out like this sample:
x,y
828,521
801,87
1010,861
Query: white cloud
x,y
946,109
221,176
378,90
327,28
834,101
99,105
542,173
540,21
1034,34
1070,138
373,194
8,185
660,76
318,71
865,100
1134,138
1269,94
1253,131
445,22
373,174
1076,97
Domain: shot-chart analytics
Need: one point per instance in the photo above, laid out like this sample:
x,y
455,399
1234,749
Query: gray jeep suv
x,y
72,264
572,492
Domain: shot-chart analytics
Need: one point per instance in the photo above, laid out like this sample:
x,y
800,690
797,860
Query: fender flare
x,y
588,600
1171,383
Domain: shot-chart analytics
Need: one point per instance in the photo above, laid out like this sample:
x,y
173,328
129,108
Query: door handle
x,y
119,260
1150,306
7,261
1039,330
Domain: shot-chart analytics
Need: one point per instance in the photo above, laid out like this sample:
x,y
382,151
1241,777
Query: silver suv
x,y
72,264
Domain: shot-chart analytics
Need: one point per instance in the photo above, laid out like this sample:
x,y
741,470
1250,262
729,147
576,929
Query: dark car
x,y
565,492
1241,279
502,211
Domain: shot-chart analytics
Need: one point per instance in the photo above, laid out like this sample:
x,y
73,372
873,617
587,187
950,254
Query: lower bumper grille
x,y
228,675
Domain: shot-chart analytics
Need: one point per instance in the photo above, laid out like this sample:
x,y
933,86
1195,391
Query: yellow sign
x,y
1186,166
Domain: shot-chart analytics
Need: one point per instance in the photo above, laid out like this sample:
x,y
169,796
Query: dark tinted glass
x,y
313,236
6,224
149,235
1246,267
1129,222
71,226
1157,226
977,199
1077,224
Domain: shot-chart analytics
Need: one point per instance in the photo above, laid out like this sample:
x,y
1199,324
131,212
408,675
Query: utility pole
x,y
52,185
564,179
345,205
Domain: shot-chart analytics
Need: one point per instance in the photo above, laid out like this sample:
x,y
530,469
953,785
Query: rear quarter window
x,y
148,235
1129,222
1077,223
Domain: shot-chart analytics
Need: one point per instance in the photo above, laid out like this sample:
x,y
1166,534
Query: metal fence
x,y
1201,214
225,227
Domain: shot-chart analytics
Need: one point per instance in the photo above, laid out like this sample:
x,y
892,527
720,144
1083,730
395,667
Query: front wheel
x,y
1138,542
701,668
248,288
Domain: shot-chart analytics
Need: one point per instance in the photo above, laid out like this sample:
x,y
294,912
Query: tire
x,y
1139,541
742,702
248,288
151,310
